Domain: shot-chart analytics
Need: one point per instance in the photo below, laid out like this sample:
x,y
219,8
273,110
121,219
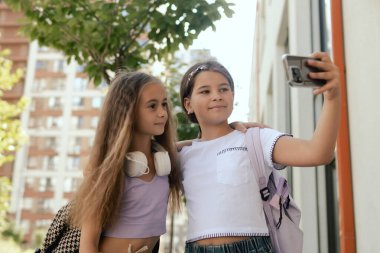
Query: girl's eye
x,y
224,89
152,106
165,104
204,92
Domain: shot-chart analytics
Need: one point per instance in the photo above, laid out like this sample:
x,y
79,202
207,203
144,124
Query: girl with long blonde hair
x,y
131,176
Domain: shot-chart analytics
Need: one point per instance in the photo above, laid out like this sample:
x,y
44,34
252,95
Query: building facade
x,y
19,47
338,214
60,121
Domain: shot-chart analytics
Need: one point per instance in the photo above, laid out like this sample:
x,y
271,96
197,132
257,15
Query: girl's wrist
x,y
332,101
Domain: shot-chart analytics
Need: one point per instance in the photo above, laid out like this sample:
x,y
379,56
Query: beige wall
x,y
361,21
362,52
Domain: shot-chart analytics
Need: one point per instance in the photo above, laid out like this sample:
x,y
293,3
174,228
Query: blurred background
x,y
56,60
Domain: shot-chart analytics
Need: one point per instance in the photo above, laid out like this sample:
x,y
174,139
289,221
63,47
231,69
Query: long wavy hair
x,y
103,182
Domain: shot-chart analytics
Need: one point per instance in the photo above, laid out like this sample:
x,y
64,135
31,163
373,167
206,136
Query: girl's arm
x,y
320,149
89,238
237,125
243,126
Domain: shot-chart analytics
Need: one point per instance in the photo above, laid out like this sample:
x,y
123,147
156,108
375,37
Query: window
x,y
27,203
48,83
94,122
74,145
44,142
51,65
78,144
97,102
51,142
54,122
33,163
45,184
42,185
43,122
42,223
29,182
51,163
42,65
71,184
80,84
44,205
73,163
50,184
77,102
35,122
55,103
59,66
77,122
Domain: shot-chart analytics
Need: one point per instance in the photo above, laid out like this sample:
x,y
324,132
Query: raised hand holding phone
x,y
314,71
329,72
297,71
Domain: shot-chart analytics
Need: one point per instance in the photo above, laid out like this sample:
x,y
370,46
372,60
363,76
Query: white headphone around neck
x,y
137,163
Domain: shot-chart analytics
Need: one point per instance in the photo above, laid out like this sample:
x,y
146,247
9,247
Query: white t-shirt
x,y
221,189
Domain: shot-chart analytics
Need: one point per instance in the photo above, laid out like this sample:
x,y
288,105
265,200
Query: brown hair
x,y
104,177
187,83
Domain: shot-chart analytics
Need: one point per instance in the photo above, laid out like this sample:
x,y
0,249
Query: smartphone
x,y
297,71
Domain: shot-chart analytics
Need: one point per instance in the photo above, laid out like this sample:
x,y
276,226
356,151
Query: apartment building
x,y
339,212
60,121
19,46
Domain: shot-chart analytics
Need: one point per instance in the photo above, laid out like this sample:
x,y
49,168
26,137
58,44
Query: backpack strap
x,y
255,154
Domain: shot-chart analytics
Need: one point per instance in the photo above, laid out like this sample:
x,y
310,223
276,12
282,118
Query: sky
x,y
232,45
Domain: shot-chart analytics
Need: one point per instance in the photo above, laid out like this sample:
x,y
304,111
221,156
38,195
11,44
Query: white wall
x,y
362,52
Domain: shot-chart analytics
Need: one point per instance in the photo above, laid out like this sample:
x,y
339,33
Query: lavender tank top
x,y
143,209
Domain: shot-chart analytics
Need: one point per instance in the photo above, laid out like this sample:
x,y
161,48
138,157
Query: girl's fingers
x,y
322,89
329,72
322,75
324,66
329,86
323,56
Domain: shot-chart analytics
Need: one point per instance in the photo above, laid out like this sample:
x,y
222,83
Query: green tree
x,y
109,35
11,134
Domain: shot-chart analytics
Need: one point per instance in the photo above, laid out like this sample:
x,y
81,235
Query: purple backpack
x,y
281,213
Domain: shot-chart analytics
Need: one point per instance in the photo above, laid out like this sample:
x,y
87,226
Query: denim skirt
x,y
255,244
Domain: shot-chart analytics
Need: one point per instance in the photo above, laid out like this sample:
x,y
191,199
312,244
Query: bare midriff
x,y
221,240
111,244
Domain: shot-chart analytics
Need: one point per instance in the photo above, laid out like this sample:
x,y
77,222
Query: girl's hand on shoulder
x,y
181,144
329,72
243,126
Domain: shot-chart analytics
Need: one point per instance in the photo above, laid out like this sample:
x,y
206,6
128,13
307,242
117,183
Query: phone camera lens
x,y
296,73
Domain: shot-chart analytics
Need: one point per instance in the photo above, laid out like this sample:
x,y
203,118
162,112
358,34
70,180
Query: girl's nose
x,y
216,96
162,111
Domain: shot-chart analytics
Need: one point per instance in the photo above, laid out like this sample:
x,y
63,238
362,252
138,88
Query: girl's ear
x,y
187,105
